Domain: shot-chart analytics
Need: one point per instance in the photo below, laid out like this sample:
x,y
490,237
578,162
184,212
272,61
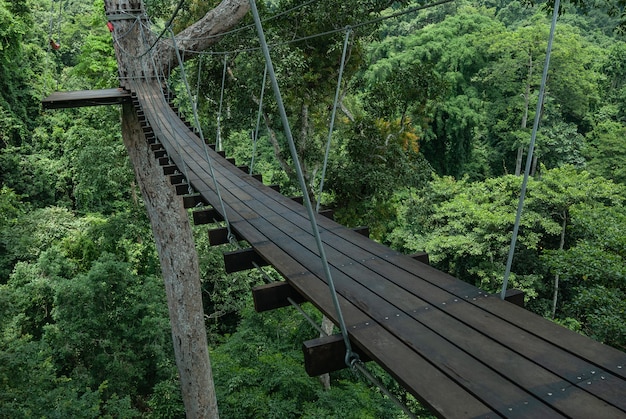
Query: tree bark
x,y
179,266
205,32
327,328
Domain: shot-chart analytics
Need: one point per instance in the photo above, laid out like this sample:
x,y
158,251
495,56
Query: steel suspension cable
x,y
198,81
333,31
255,135
332,117
350,357
531,148
219,111
231,237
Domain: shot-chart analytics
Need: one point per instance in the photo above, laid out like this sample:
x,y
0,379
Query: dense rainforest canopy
x,y
433,124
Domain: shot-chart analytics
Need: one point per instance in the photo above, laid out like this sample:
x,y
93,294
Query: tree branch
x,y
205,32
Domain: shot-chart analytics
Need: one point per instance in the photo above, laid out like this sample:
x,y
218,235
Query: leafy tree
x,y
447,56
605,150
378,157
259,373
610,7
20,61
601,312
511,81
466,226
129,350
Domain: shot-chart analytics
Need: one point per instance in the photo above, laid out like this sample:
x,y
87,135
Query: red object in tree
x,y
54,45
110,26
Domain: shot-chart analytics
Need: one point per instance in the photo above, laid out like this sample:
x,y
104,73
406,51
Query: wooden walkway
x,y
461,352
80,98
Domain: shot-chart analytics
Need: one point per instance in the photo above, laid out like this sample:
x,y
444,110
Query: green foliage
x,y
31,175
601,311
166,400
259,373
83,322
605,150
19,64
110,325
444,57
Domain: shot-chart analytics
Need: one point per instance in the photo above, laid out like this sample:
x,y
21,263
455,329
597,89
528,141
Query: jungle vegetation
x,y
434,123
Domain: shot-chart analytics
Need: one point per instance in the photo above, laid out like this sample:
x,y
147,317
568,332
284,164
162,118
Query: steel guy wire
x,y
255,135
350,355
531,148
332,117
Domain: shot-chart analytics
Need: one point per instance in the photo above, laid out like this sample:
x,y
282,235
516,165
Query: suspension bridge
x,y
460,351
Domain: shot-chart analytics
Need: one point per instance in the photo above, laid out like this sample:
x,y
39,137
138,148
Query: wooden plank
x,y
421,257
218,236
81,98
289,231
170,169
183,188
177,178
328,213
515,296
243,259
193,200
327,354
362,230
275,295
206,216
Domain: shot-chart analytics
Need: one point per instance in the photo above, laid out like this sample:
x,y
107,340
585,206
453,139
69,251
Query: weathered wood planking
x,y
461,352
81,98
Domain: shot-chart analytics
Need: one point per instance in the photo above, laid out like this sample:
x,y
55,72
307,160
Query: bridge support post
x,y
179,266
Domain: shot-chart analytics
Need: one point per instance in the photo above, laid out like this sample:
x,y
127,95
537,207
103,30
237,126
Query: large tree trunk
x,y
179,266
169,219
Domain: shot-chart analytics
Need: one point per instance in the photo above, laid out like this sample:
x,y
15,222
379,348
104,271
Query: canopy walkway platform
x,y
460,351
81,98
